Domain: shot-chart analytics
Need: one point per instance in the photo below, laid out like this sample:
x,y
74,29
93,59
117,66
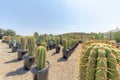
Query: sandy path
x,y
60,69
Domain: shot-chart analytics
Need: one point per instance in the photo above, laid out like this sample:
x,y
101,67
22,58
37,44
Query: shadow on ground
x,y
61,59
53,54
19,71
12,61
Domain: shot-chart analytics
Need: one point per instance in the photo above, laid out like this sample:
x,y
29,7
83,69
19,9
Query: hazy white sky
x,y
59,16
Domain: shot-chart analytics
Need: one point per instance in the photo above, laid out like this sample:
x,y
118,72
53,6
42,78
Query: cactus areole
x,y
100,61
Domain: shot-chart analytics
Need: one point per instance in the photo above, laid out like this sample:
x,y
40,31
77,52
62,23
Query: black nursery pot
x,y
80,42
10,45
50,47
14,48
28,61
40,74
21,54
57,49
66,54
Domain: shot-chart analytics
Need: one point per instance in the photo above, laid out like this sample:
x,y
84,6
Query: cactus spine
x,y
40,57
100,61
31,46
23,43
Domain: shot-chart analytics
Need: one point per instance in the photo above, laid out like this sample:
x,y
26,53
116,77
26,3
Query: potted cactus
x,y
100,61
29,58
41,69
22,51
14,45
65,50
44,44
57,42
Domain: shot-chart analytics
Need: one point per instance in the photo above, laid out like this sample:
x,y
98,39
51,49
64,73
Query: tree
x,y
36,35
117,36
9,32
1,33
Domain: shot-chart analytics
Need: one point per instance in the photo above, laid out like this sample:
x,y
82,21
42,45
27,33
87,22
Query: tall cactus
x,y
100,62
31,46
40,57
23,43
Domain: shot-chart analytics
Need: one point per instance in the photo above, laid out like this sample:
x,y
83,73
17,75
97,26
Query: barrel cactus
x,y
100,61
31,46
23,43
40,57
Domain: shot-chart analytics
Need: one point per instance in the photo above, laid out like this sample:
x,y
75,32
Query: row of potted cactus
x,y
34,58
69,46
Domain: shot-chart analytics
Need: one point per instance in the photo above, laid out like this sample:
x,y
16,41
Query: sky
x,y
59,16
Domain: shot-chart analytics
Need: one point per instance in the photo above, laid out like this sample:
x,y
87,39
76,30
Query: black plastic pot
x,y
54,45
50,47
40,74
14,48
66,54
21,54
10,45
57,49
28,61
80,42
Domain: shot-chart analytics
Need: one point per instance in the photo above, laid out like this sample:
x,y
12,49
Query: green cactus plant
x,y
57,42
40,57
44,44
65,44
23,43
31,46
100,62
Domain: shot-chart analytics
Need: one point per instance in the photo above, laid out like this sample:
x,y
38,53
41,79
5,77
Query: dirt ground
x,y
60,69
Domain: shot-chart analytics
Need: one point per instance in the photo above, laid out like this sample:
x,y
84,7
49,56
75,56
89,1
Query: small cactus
x,y
40,57
31,46
23,43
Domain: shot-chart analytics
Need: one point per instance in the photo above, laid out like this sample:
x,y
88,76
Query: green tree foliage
x,y
7,32
117,36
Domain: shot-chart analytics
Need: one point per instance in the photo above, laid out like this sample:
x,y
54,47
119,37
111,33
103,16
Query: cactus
x,y
57,42
31,46
100,61
23,43
44,44
65,44
40,57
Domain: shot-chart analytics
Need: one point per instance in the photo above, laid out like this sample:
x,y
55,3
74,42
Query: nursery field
x,y
60,69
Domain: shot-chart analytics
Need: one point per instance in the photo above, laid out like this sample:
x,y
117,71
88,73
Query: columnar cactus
x,y
65,44
44,44
57,41
40,57
23,43
31,45
100,62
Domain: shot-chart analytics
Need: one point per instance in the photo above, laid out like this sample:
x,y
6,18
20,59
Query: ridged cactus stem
x,y
41,57
23,43
31,46
100,61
